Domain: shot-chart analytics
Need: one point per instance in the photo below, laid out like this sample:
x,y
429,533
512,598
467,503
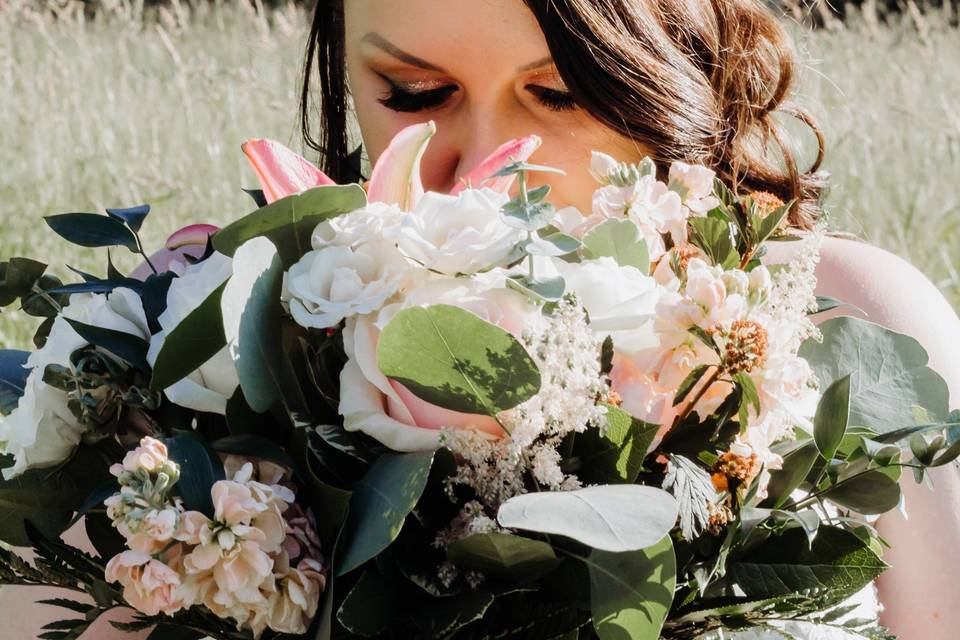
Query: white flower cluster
x,y
256,561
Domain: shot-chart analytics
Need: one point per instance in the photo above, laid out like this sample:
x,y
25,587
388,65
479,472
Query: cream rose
x,y
42,431
459,234
336,282
385,409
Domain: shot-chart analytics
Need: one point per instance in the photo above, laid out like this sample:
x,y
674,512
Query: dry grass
x,y
121,110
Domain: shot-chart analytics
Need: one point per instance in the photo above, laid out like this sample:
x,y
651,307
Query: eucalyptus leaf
x,y
546,289
892,372
251,310
620,240
380,503
450,357
289,222
529,216
553,245
631,593
615,518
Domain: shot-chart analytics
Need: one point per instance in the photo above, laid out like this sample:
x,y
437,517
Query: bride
x,y
697,80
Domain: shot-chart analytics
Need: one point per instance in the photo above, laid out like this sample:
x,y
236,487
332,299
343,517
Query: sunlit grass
x,y
121,110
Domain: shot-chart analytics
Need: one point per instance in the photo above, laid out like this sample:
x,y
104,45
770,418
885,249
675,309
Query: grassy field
x,y
122,110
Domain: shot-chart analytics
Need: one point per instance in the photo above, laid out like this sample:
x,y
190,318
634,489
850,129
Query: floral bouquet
x,y
374,412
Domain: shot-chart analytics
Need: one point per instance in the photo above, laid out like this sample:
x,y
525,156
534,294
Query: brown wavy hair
x,y
692,80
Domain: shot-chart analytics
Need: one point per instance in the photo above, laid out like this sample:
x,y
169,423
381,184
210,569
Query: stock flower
x,y
694,184
459,234
43,431
149,457
210,386
294,600
149,586
385,409
336,282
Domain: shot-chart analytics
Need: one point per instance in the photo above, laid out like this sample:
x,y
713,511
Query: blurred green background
x,y
128,104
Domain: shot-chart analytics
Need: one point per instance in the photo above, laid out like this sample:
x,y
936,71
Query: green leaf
x,y
133,217
631,593
623,517
447,615
380,503
21,275
13,378
620,240
199,470
252,446
831,419
92,230
549,289
837,561
689,383
517,167
289,222
251,321
451,358
892,372
713,236
614,455
826,303
196,339
771,222
796,466
370,606
128,347
34,496
749,397
504,556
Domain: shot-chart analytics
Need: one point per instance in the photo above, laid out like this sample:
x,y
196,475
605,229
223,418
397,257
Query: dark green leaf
x,y
133,217
504,556
199,470
370,606
21,275
830,421
689,383
196,339
450,357
289,222
796,466
92,230
251,310
13,378
128,347
252,446
837,561
380,503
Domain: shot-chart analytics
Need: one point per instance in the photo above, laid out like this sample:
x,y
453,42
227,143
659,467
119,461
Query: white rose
x,y
459,234
337,282
619,300
385,409
377,221
42,431
215,381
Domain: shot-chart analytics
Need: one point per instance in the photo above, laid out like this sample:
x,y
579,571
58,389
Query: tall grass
x,y
134,107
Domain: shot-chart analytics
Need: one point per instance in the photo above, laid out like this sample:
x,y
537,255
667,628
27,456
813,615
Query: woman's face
x,y
482,71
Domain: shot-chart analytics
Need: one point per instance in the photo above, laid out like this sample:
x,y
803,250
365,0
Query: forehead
x,y
452,34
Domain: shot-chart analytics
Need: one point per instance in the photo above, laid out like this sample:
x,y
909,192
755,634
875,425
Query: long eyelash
x,y
553,99
399,99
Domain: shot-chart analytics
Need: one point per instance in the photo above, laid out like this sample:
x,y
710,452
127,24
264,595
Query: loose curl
x,y
692,80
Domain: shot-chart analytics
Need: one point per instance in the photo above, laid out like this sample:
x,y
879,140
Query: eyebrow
x,y
386,46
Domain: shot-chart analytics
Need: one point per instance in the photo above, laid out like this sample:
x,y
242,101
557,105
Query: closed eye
x,y
552,98
405,101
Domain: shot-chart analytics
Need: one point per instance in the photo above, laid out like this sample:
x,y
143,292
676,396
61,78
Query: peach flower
x,y
149,586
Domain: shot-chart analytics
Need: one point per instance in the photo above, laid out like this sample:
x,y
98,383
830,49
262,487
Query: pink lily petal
x,y
396,176
188,241
191,234
281,171
516,150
